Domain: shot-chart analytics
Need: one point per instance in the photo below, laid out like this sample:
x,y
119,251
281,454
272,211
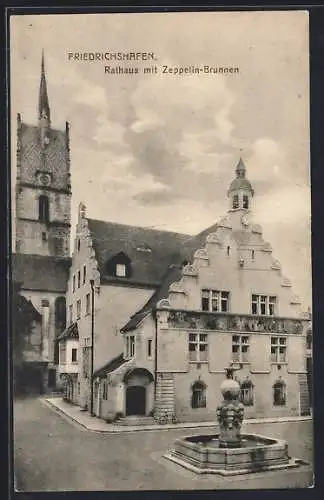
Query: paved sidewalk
x,y
96,424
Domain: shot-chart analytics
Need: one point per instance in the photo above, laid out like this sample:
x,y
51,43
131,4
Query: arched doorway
x,y
135,400
137,382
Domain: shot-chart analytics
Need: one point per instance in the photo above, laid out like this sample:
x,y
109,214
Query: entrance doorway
x,y
135,400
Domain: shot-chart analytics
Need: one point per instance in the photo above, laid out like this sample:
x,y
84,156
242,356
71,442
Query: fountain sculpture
x,y
230,452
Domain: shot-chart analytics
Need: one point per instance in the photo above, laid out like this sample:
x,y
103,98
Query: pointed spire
x,y
240,169
43,104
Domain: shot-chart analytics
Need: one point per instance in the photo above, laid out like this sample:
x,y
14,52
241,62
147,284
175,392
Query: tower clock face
x,y
44,179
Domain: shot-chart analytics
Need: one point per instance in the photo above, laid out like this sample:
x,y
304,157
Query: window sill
x,y
240,362
279,363
198,362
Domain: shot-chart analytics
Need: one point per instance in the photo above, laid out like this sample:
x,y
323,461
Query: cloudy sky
x,y
160,150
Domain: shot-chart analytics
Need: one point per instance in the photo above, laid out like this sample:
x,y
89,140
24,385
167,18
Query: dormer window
x,y
235,201
121,270
119,266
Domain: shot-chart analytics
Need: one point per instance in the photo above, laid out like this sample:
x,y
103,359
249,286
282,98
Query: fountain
x,y
230,452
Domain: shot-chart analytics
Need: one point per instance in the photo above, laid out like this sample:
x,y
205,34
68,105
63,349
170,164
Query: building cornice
x,y
50,223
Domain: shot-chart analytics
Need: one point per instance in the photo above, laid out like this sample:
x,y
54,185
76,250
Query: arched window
x,y
198,395
43,208
245,201
235,201
279,393
228,250
247,393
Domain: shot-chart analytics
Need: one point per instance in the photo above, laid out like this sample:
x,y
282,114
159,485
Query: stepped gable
x,y
150,251
40,272
172,274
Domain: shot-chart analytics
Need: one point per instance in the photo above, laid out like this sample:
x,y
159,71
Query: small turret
x,y
240,191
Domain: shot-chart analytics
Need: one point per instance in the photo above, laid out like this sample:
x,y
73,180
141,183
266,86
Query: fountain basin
x,y
202,454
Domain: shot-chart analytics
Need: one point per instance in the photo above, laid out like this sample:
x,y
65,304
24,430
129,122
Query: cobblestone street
x,y
53,454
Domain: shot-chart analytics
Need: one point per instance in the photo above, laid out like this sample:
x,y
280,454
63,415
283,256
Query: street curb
x,y
147,428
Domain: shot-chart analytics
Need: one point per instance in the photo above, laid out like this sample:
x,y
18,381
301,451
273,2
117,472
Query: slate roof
x,y
71,332
109,367
172,274
38,272
148,267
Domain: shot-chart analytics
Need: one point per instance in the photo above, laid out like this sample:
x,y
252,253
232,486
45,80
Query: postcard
x,y
161,251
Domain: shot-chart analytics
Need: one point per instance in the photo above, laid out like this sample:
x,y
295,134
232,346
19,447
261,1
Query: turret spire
x,y
240,169
43,104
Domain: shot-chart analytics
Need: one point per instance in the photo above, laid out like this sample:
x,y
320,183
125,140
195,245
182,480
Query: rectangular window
x,y
74,355
62,353
84,274
149,348
78,309
79,279
87,311
214,300
263,305
235,201
198,347
121,270
245,201
73,283
70,314
240,348
79,387
278,350
130,346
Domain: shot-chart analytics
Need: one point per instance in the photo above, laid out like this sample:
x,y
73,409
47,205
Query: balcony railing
x,y
193,320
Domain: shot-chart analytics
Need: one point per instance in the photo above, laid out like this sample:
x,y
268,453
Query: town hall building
x,y
171,311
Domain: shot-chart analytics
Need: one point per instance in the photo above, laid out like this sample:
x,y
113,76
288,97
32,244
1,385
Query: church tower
x,y
43,187
240,195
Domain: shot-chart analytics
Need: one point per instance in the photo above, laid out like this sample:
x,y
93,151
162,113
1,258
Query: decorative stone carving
x,y
190,270
214,238
295,300
176,287
266,247
257,229
285,282
201,253
225,222
163,304
230,413
235,322
276,265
